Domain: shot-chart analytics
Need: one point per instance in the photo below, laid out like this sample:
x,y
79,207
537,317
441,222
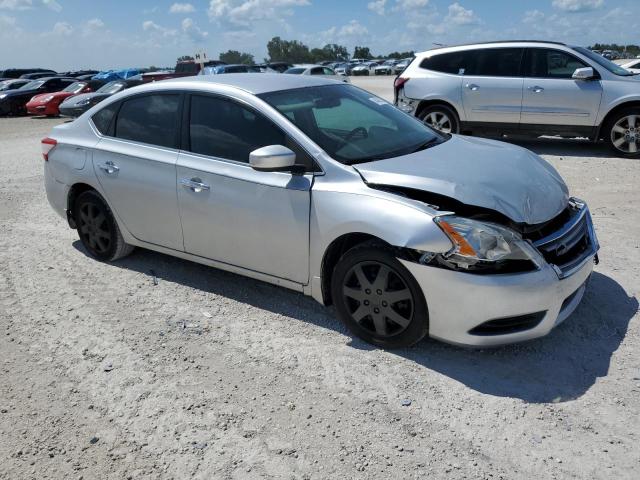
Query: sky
x,y
74,34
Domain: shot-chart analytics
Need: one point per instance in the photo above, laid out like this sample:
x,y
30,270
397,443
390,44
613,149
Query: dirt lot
x,y
209,375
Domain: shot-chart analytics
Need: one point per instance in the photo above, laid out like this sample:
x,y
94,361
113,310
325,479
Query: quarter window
x,y
149,119
453,62
102,119
545,63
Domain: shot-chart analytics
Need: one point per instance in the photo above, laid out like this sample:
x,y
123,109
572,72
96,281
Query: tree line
x,y
294,51
631,49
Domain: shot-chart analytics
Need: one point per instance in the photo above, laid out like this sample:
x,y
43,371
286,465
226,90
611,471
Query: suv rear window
x,y
151,119
451,62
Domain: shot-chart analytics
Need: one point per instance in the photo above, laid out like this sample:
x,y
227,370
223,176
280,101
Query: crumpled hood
x,y
480,172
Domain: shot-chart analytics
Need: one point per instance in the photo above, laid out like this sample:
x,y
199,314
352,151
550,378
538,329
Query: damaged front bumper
x,y
494,309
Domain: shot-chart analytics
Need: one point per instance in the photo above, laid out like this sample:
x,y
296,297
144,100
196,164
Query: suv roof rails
x,y
498,41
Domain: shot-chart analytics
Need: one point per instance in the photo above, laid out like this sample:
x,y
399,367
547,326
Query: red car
x,y
48,103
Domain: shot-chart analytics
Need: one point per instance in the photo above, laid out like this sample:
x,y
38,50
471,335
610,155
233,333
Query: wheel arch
x,y
74,192
611,113
429,103
334,252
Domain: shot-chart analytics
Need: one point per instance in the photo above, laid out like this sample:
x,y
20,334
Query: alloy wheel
x,y
625,134
94,228
439,121
378,299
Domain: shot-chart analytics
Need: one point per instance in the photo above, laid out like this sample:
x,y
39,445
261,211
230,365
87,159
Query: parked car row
x,y
530,88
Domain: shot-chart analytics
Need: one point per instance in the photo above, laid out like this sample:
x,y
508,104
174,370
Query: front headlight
x,y
2,95
84,102
485,246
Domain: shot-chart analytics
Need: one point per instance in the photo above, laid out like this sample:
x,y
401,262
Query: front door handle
x,y
536,89
195,185
109,167
473,87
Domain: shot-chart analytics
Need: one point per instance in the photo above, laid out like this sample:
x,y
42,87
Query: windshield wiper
x,y
425,145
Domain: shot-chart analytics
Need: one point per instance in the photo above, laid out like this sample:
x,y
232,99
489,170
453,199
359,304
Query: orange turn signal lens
x,y
463,246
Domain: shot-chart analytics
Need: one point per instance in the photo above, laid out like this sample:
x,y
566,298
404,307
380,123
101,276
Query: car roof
x,y
514,43
249,82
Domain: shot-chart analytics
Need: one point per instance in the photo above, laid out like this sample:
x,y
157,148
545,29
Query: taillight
x,y
399,83
47,145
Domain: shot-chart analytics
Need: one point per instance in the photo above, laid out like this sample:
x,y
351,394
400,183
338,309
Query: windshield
x,y
603,62
111,87
296,71
32,85
352,125
75,87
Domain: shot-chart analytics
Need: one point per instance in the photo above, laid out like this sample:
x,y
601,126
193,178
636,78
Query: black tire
x,y
98,229
405,300
433,114
622,137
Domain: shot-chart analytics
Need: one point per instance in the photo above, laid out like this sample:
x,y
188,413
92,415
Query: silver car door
x,y
492,85
552,97
137,168
230,212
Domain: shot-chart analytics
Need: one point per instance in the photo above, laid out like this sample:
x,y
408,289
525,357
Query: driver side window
x,y
545,63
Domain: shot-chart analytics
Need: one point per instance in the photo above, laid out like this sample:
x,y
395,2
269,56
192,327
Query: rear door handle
x,y
472,86
195,185
109,167
536,89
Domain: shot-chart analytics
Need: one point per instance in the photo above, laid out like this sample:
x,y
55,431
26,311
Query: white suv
x,y
524,87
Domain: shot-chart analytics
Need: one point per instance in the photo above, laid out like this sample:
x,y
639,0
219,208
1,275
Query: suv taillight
x,y
399,83
47,145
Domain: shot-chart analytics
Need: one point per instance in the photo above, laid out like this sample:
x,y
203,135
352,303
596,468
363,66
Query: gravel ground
x,y
210,375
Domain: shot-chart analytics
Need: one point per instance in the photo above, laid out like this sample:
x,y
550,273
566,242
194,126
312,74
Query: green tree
x,y
291,51
331,51
185,58
235,57
362,52
401,55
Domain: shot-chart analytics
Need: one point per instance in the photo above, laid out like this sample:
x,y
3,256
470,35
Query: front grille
x,y
572,243
504,326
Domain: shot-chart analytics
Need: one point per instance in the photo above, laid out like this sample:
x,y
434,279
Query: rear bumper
x,y
459,302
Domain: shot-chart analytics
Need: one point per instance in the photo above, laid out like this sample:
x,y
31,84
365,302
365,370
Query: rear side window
x,y
545,63
495,62
102,119
453,62
225,129
149,119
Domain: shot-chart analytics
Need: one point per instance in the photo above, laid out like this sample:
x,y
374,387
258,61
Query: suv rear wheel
x,y
622,133
440,118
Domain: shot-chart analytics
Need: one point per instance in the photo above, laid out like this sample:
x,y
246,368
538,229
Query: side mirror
x,y
586,73
272,158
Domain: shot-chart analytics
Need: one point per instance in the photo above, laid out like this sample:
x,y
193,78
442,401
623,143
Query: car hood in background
x,y
484,173
93,97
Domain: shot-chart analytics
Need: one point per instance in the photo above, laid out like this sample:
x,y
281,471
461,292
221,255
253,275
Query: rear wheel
x,y
97,228
440,118
622,133
377,297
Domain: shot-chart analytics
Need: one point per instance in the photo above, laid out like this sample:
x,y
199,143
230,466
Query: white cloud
x,y
7,21
182,8
409,5
576,6
150,26
62,29
95,23
16,4
533,16
52,5
192,30
244,12
458,15
353,28
377,6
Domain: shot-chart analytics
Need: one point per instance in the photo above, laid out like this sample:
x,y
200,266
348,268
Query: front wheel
x,y
378,299
440,118
97,228
622,133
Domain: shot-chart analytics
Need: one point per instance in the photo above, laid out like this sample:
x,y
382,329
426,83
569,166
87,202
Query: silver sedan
x,y
328,190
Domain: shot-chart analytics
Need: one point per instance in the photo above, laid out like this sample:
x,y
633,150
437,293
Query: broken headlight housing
x,y
483,246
